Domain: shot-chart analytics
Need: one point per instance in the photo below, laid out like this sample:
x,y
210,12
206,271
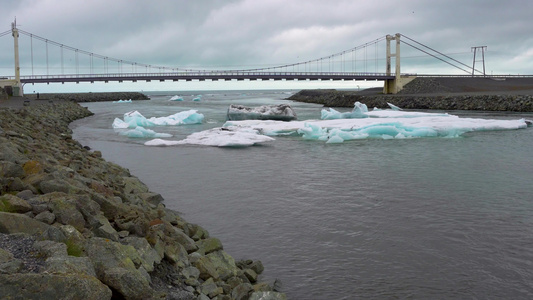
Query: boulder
x,y
130,284
10,169
52,286
18,223
209,245
14,204
223,264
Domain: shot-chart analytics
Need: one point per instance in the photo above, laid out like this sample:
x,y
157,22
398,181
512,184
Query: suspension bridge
x,y
348,65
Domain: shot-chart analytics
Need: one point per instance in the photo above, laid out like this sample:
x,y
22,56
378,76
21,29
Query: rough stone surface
x,y
486,94
50,286
77,227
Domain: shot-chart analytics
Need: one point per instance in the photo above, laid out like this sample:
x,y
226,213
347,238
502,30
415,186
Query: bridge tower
x,y
393,86
14,86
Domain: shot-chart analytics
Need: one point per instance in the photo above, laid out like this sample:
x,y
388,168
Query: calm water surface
x,y
368,219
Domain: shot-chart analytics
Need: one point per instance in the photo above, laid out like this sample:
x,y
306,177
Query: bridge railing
x,y
198,74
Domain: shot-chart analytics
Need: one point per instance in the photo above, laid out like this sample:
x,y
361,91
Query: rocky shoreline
x,y
75,226
432,93
89,97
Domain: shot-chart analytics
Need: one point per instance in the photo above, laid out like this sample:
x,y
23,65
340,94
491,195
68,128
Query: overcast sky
x,y
250,33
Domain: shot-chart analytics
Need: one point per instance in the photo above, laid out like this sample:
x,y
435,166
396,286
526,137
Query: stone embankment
x,y
74,226
90,97
427,93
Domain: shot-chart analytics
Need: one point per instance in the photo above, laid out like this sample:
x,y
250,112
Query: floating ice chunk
x,y
312,131
282,112
359,111
197,98
180,118
393,107
123,101
393,124
220,137
141,132
176,98
133,119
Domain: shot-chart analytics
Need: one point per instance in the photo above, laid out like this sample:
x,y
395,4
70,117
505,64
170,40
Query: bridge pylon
x,y
393,86
14,86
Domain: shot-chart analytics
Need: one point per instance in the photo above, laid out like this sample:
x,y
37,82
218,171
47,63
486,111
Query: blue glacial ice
x,y
176,98
141,132
197,98
383,124
359,111
133,119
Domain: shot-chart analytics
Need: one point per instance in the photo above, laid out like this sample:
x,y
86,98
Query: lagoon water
x,y
426,218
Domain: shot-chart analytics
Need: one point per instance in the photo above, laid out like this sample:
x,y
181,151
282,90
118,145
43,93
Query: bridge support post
x,y
393,86
17,85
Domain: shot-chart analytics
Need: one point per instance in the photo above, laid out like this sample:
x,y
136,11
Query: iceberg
x,y
197,98
282,112
141,132
219,137
383,124
359,111
133,119
176,98
123,101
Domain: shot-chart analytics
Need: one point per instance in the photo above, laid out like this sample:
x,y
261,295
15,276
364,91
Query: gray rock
x,y
17,223
209,245
54,185
223,263
66,212
25,194
242,292
10,203
69,265
151,198
46,217
251,275
5,256
51,248
107,231
50,286
11,267
129,283
210,288
148,255
9,169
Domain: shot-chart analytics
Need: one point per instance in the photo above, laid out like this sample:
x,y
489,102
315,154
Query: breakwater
x,y
471,93
90,97
334,98
75,226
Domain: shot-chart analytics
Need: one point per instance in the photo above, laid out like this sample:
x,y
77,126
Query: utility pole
x,y
476,49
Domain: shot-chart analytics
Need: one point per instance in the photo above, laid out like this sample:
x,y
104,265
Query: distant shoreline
x,y
445,93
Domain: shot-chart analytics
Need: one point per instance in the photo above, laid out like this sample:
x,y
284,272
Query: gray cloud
x,y
250,33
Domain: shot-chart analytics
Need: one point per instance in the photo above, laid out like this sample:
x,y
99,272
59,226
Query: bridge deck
x,y
202,76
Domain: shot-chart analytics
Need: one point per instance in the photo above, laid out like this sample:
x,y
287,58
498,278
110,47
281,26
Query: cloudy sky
x,y
237,34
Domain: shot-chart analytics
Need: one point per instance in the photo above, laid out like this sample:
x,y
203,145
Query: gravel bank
x,y
511,94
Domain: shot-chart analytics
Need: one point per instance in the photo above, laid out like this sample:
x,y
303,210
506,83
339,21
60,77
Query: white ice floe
x,y
133,119
176,98
141,132
281,112
384,124
220,137
123,101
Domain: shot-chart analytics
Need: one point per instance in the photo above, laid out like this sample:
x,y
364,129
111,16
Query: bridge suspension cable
x,y
440,53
